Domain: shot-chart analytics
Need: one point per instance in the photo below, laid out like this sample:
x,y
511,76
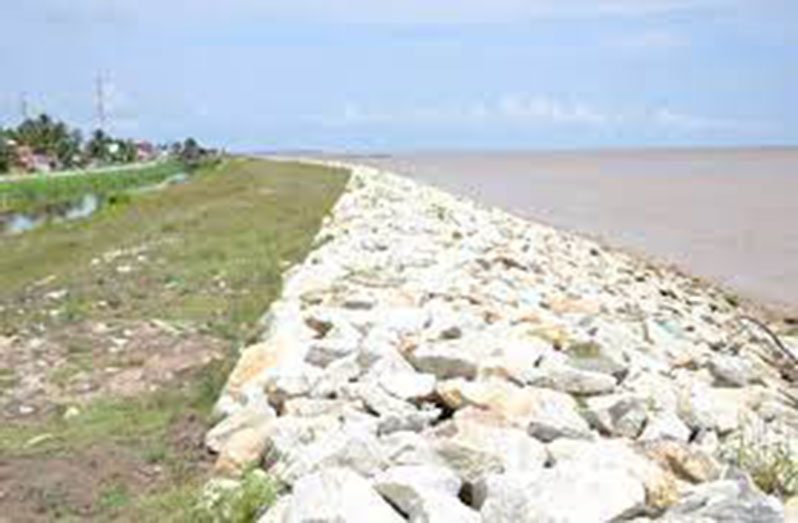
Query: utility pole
x,y
102,116
23,106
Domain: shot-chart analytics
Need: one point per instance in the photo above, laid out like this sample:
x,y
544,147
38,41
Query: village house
x,y
27,160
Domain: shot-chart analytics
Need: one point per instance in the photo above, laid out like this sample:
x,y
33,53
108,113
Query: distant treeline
x,y
46,144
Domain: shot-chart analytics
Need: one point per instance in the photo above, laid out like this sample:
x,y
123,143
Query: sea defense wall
x,y
437,360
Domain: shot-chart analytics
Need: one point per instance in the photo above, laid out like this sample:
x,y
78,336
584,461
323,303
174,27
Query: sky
x,y
380,75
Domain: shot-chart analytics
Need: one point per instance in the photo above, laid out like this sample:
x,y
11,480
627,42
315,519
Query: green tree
x,y
191,153
97,146
47,136
5,152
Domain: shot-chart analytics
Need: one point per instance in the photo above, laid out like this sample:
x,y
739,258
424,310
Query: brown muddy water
x,y
727,215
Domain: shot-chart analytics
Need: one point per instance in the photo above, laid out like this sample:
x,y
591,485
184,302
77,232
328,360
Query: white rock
x,y
617,415
250,418
563,377
409,448
475,443
727,500
278,512
425,493
665,425
337,495
349,447
408,385
730,370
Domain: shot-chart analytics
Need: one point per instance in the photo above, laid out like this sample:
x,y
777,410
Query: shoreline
x,y
770,309
720,215
430,335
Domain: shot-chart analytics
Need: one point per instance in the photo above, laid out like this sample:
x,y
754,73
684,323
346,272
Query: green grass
x,y
41,192
773,465
210,254
215,249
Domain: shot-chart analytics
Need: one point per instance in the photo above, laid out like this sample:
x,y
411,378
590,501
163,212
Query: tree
x,y
51,137
191,152
97,146
5,152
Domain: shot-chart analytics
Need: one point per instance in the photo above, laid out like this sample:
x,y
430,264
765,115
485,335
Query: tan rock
x,y
243,449
685,462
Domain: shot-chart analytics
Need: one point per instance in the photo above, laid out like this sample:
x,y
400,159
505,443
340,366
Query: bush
x,y
228,501
771,462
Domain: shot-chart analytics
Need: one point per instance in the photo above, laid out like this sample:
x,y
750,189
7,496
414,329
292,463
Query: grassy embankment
x,y
41,192
215,251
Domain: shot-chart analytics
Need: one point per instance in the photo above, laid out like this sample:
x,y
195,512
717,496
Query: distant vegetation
x,y
46,144
38,193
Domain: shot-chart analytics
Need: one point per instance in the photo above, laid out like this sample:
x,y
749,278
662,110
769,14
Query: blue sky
x,y
412,74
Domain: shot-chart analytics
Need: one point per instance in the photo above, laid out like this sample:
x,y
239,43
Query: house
x,y
145,152
26,160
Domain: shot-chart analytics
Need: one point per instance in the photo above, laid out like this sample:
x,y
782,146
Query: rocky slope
x,y
433,360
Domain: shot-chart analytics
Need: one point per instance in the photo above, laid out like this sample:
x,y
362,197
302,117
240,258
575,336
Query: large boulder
x,y
727,500
337,495
444,360
351,447
546,414
425,493
475,443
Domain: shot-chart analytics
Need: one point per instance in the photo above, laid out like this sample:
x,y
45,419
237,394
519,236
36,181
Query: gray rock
x,y
504,498
425,493
475,443
349,447
665,425
730,371
324,352
732,501
561,376
409,448
617,415
337,495
444,361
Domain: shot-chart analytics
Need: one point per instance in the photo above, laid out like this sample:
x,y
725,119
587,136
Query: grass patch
x,y
207,254
773,465
41,192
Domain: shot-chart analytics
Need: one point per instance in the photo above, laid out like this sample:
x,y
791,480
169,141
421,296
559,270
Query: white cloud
x,y
517,110
652,40
669,118
529,111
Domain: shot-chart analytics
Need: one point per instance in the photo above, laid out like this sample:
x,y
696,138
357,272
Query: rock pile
x,y
433,360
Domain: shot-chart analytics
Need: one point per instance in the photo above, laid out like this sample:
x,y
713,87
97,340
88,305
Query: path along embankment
x,y
437,360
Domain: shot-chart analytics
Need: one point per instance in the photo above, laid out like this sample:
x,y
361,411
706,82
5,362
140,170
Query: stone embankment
x,y
435,360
